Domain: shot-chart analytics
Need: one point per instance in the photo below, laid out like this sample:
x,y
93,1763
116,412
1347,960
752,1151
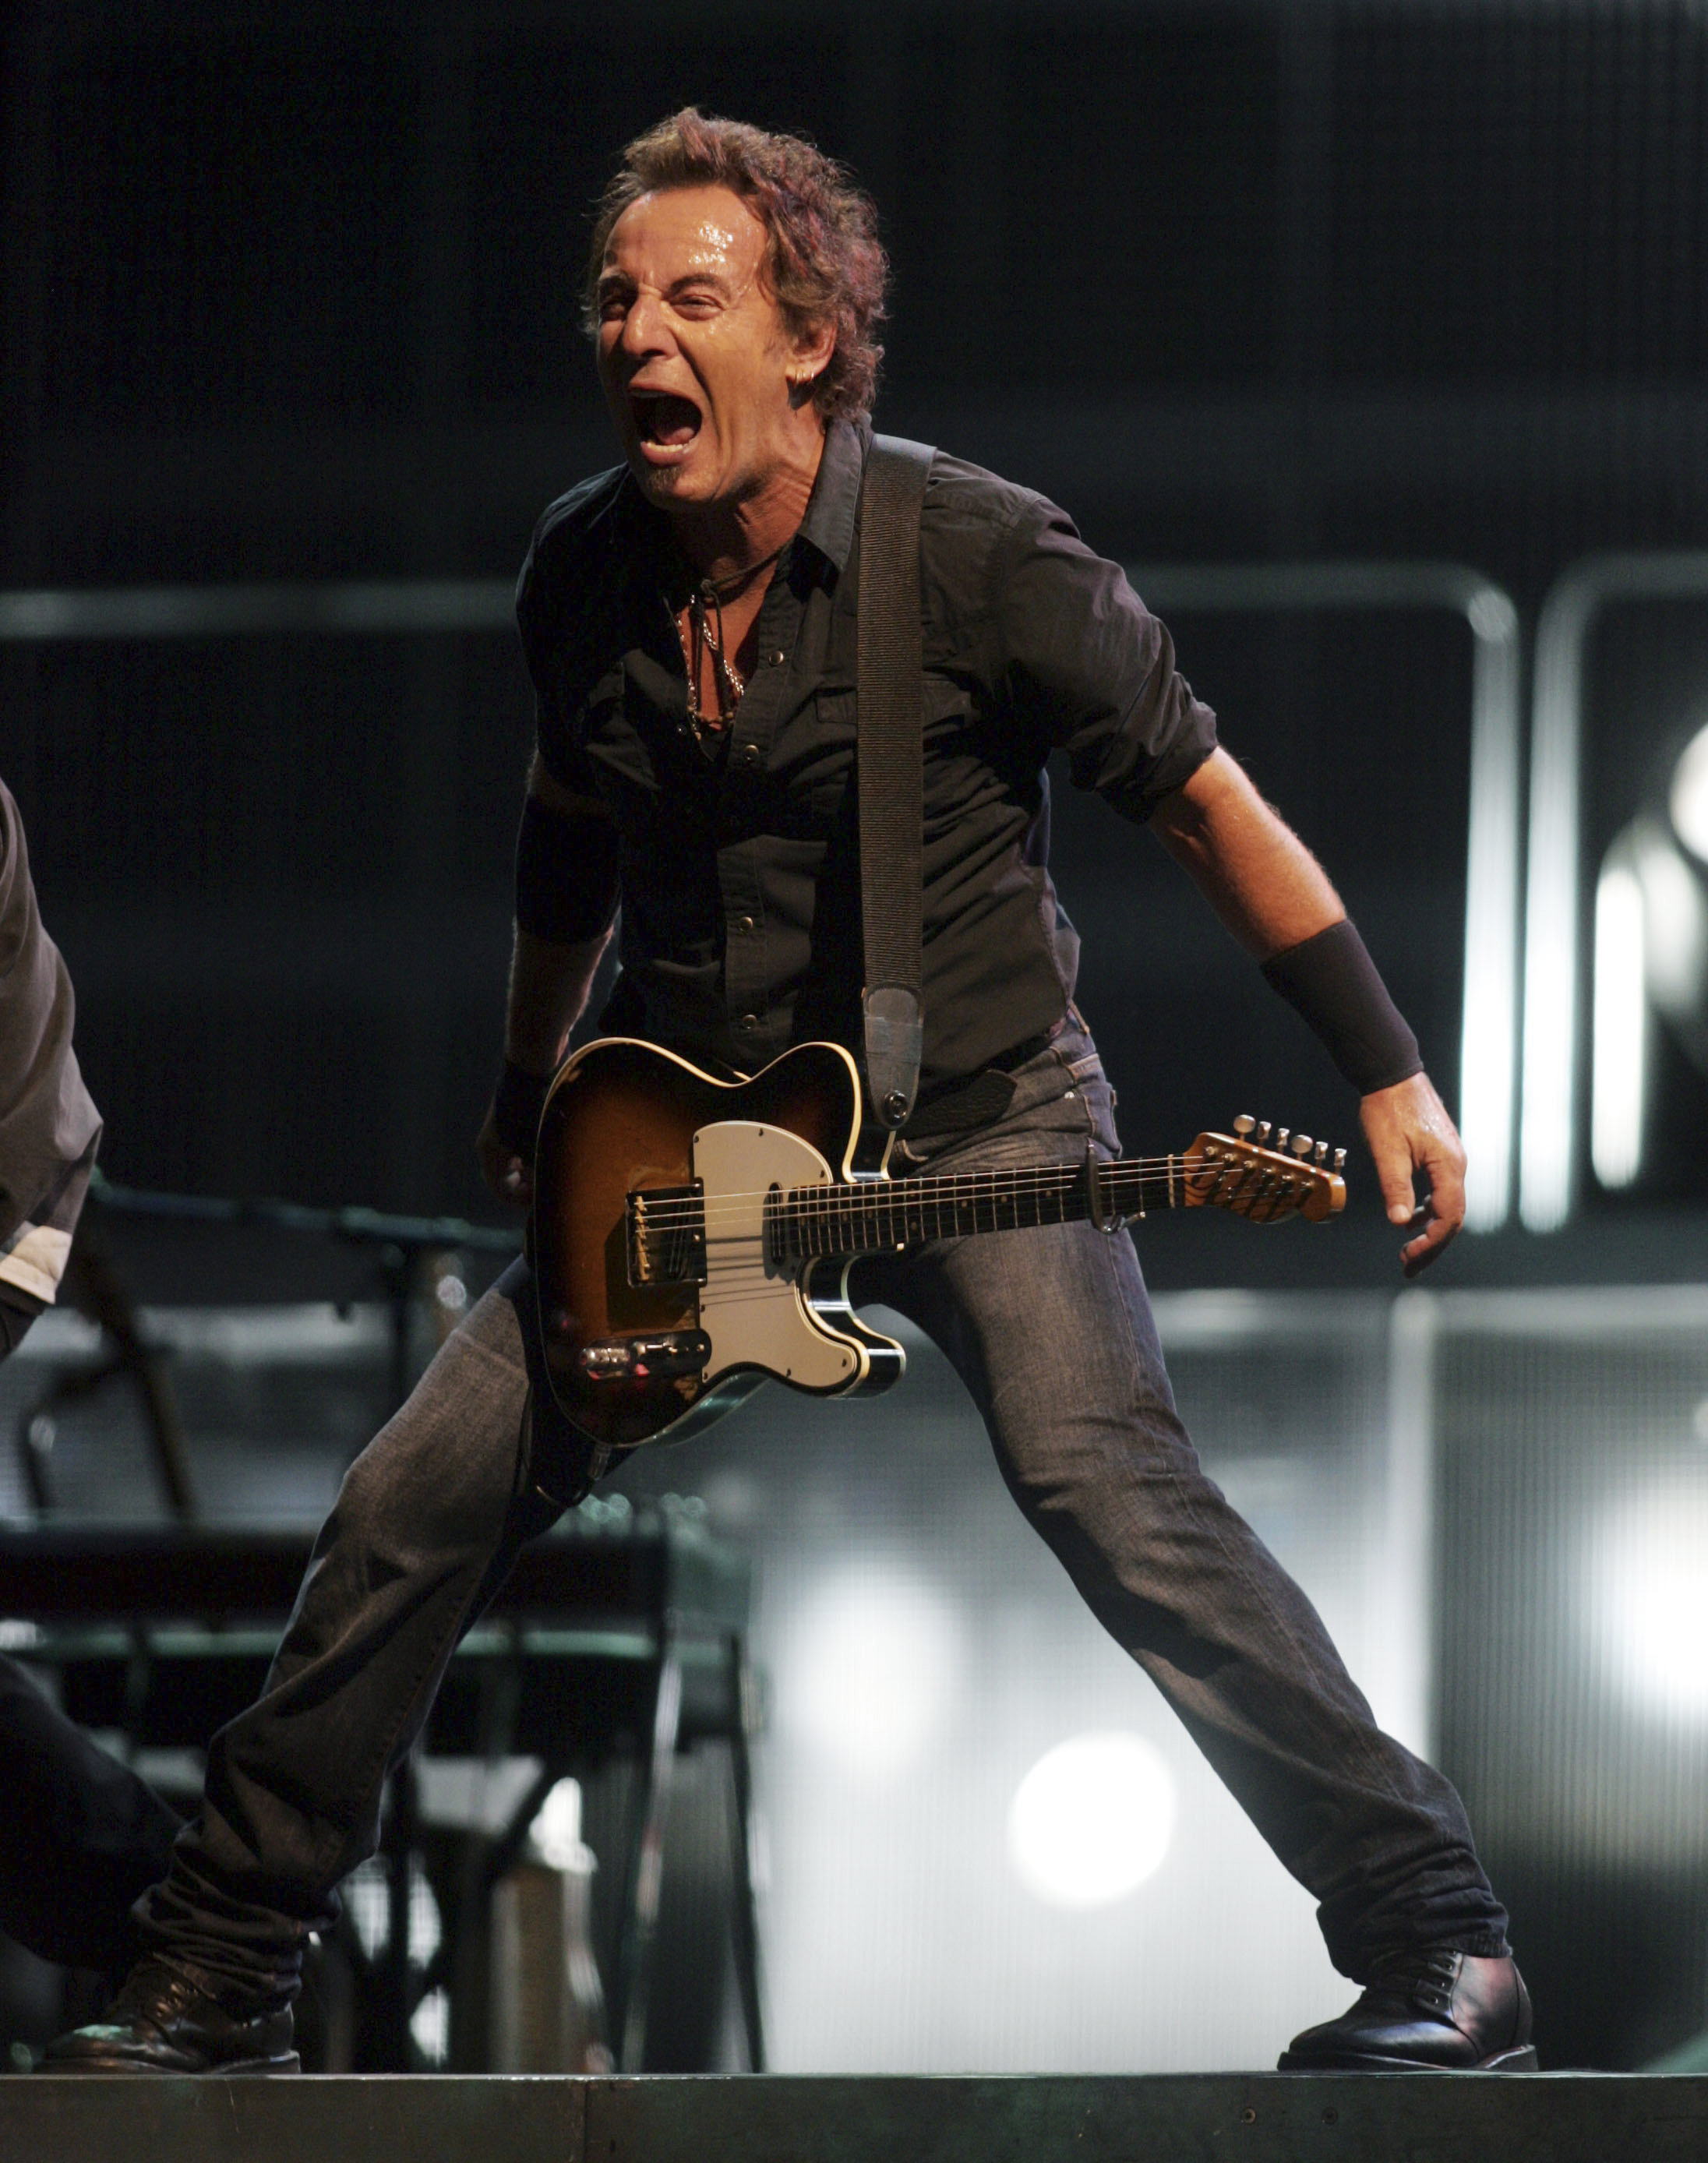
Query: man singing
x,y
691,623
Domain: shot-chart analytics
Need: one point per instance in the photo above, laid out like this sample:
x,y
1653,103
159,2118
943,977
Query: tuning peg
x,y
1281,1139
1262,1133
1302,1145
1340,1159
1244,1124
1322,1152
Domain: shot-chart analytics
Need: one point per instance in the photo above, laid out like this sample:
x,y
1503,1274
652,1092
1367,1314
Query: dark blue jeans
x,y
1052,1332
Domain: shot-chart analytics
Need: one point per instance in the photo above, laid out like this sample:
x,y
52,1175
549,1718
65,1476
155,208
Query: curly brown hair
x,y
823,262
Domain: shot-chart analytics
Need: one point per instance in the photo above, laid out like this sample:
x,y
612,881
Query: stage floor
x,y
1206,2117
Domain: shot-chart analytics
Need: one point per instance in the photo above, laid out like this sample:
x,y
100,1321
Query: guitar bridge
x,y
664,1235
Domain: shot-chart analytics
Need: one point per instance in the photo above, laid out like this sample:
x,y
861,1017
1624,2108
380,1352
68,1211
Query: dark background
x,y
290,292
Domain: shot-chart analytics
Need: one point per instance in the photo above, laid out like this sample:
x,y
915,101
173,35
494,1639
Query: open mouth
x,y
662,421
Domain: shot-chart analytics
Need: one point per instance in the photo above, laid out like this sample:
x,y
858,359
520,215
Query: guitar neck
x,y
878,1215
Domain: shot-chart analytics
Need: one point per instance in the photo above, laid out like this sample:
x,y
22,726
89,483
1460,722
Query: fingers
x,y
507,1174
1408,1130
1393,1164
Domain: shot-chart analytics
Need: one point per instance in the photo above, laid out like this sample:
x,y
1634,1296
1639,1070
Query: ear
x,y
809,356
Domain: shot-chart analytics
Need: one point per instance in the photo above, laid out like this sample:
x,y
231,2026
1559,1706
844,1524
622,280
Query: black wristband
x,y
566,875
516,1105
1333,982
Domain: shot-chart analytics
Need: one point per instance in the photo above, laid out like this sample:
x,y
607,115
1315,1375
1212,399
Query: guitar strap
x,y
889,691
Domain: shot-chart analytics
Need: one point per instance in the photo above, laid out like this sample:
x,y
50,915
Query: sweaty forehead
x,y
663,235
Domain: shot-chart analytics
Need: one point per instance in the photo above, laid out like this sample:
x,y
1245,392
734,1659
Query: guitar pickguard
x,y
751,1308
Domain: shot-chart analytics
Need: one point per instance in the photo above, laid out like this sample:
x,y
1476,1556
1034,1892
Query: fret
x,y
878,1215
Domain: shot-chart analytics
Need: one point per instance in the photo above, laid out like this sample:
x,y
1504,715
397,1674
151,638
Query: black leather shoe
x,y
1429,2011
164,2021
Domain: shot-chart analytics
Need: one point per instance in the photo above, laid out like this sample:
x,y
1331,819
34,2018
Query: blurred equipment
x,y
547,2012
98,1290
616,1645
411,1254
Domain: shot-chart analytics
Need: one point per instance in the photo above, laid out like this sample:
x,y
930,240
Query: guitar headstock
x,y
1240,1171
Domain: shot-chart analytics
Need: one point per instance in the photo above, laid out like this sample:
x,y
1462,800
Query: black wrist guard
x,y
1333,982
516,1105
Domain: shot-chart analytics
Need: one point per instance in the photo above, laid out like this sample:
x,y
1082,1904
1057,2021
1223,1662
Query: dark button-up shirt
x,y
738,875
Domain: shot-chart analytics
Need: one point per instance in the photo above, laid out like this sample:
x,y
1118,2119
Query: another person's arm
x,y
1277,901
50,1129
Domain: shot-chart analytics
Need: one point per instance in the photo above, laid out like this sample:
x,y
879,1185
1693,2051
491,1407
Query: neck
x,y
878,1215
723,540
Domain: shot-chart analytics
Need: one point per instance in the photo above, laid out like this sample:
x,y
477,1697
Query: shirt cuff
x,y
35,1259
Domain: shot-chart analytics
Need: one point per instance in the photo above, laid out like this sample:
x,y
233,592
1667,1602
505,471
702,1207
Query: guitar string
x,y
810,1204
946,1188
1065,1175
810,1212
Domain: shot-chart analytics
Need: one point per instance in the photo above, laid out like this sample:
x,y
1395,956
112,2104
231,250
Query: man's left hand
x,y
1408,1131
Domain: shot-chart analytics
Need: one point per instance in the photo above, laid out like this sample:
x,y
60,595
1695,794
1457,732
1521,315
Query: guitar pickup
x,y
662,1358
664,1235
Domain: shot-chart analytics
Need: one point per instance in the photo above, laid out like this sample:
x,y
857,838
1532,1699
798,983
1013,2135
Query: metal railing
x,y
1488,1045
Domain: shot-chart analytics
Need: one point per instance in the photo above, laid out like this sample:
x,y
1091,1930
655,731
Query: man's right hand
x,y
509,1176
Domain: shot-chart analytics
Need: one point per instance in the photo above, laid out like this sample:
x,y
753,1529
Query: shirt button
x,y
775,658
747,1022
745,923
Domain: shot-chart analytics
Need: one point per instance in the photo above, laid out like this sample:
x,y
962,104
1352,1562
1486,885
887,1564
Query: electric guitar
x,y
692,1236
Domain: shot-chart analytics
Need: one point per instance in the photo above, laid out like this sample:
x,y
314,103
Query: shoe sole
x,y
1348,2061
119,2068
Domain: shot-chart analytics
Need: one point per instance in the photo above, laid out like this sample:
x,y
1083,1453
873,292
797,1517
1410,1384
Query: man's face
x,y
692,354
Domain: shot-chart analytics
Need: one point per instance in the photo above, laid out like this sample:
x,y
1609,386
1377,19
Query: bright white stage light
x,y
1689,800
1675,922
1653,1601
556,1832
1621,1022
867,1672
1092,1821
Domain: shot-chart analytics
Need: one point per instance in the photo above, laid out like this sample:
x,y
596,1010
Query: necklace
x,y
706,635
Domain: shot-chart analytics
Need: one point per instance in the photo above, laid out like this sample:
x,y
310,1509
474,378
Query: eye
x,y
613,304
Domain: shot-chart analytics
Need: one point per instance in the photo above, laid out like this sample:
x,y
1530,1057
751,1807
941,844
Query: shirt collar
x,y
829,523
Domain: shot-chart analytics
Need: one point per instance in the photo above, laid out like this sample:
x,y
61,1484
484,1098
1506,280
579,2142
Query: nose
x,y
643,331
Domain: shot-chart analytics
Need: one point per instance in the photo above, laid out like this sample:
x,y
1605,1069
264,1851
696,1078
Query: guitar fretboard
x,y
878,1215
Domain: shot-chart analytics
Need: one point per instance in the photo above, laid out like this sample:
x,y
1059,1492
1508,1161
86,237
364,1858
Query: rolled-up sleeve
x,y
1087,665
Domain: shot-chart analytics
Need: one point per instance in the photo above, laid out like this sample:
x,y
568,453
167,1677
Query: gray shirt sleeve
x,y
49,1125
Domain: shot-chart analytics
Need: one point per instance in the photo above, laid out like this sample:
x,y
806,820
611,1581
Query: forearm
x,y
565,880
1277,901
549,985
1254,871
